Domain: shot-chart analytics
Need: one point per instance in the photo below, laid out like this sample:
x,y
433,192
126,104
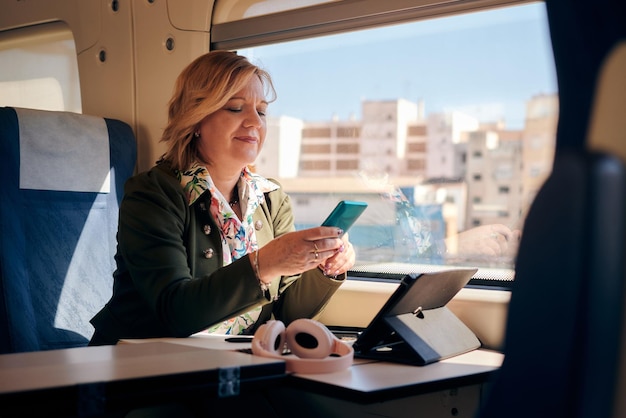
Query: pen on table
x,y
239,339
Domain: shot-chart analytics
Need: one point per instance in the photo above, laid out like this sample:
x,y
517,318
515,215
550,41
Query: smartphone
x,y
345,214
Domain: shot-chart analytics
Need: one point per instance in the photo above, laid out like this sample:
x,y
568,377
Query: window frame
x,y
337,17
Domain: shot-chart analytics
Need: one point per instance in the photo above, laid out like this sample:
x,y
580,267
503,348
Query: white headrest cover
x,y
63,151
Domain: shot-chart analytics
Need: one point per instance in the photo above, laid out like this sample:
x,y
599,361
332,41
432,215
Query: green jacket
x,y
170,279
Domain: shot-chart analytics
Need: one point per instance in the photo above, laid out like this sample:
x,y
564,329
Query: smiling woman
x,y
205,243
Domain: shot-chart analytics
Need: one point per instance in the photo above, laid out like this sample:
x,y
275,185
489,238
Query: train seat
x,y
565,315
62,180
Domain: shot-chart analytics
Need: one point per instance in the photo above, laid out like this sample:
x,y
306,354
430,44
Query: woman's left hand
x,y
342,261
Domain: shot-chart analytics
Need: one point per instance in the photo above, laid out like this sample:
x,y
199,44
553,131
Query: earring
x,y
196,134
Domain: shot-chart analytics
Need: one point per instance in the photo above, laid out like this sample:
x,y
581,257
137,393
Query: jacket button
x,y
208,253
258,225
206,229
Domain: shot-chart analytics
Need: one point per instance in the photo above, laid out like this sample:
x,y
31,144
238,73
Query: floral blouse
x,y
238,236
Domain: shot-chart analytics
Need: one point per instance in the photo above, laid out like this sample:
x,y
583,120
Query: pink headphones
x,y
315,349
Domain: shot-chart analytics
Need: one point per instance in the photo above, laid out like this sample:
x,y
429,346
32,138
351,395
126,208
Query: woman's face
x,y
233,136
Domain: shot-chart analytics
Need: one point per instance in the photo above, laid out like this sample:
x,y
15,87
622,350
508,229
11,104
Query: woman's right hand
x,y
299,251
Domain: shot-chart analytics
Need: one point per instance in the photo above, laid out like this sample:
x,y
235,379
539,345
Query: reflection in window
x,y
433,112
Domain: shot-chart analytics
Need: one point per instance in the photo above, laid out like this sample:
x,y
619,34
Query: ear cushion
x,y
307,338
271,337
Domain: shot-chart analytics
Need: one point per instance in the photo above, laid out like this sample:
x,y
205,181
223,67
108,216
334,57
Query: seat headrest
x,y
63,151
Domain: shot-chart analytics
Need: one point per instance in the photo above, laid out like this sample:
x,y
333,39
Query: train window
x,y
438,110
39,68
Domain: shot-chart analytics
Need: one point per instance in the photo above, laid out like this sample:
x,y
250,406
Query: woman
x,y
205,243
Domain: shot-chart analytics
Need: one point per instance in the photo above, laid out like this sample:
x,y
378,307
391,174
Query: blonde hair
x,y
202,88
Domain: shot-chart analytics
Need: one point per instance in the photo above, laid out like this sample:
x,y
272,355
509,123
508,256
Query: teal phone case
x,y
345,214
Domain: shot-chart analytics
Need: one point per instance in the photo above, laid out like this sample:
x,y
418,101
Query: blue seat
x,y
62,180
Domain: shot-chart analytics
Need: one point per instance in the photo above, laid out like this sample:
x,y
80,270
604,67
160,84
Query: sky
x,y
486,64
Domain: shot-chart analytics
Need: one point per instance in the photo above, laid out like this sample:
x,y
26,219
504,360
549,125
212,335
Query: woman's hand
x,y
489,240
299,251
341,261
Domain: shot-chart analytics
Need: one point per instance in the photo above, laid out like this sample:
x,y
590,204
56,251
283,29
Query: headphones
x,y
315,349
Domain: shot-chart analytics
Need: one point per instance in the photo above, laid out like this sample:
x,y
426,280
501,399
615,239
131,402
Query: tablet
x,y
415,326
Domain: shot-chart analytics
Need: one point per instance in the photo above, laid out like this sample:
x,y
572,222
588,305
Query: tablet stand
x,y
423,337
415,326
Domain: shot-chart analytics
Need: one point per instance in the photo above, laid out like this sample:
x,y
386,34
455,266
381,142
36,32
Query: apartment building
x,y
477,173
